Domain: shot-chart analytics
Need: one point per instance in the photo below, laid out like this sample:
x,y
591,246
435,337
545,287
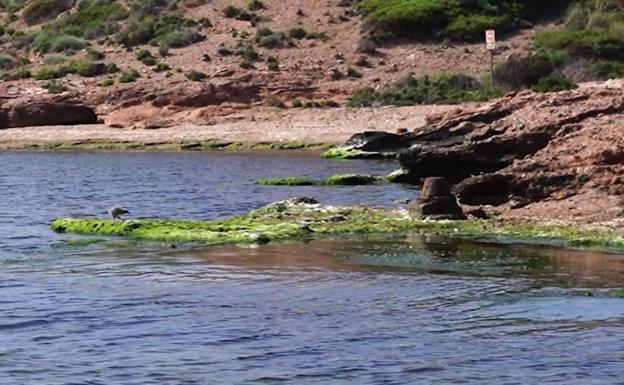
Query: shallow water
x,y
373,310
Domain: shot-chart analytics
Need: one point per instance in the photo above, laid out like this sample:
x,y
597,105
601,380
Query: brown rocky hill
x,y
327,67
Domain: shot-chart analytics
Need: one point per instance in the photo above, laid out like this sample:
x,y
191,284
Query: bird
x,y
116,212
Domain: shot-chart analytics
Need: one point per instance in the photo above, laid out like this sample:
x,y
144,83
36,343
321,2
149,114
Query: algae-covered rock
x,y
291,219
401,176
335,180
347,153
350,180
293,181
304,218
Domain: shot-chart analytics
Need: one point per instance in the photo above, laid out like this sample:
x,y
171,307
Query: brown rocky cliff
x,y
528,149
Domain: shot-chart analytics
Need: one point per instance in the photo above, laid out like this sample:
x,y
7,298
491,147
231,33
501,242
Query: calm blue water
x,y
380,310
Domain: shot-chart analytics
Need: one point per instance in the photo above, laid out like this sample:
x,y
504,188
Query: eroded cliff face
x,y
557,155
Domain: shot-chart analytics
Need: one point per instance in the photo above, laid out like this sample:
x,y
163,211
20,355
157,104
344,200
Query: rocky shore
x,y
548,156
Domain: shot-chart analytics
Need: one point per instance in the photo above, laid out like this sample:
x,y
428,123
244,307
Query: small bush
x,y
55,88
255,5
524,72
606,69
224,51
353,73
162,67
553,83
6,61
231,12
275,101
111,68
94,55
38,10
129,76
426,90
297,33
107,82
66,43
196,76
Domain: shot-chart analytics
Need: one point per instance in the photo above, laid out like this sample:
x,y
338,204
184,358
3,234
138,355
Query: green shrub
x,y
166,30
607,69
231,11
248,53
90,19
107,82
255,5
585,43
66,43
50,73
410,90
525,72
553,83
38,10
129,76
353,73
162,67
111,68
297,33
94,54
196,76
461,20
472,27
6,61
146,57
224,51
55,87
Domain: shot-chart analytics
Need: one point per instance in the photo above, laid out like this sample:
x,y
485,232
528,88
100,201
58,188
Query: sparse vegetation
x,y
426,90
463,21
196,76
129,76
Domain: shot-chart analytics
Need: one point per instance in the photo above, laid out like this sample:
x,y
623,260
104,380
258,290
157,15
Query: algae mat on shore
x,y
300,219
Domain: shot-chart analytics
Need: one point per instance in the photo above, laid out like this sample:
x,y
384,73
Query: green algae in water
x,y
292,220
345,153
334,180
294,181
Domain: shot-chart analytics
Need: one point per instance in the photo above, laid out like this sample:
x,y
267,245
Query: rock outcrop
x,y
527,148
48,111
437,201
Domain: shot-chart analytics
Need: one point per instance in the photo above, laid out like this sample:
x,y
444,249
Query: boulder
x,y
437,201
47,113
377,141
45,110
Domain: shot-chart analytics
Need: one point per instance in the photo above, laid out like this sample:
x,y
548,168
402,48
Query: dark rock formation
x,y
377,141
21,112
437,201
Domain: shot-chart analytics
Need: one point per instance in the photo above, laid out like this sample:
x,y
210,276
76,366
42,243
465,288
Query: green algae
x,y
334,180
293,181
619,293
293,220
346,153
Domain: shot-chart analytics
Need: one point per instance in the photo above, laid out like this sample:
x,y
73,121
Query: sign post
x,y
490,44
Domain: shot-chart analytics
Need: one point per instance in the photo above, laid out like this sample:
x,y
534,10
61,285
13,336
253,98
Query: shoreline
x,y
258,128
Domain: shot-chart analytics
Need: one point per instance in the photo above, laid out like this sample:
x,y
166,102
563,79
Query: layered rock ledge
x,y
553,156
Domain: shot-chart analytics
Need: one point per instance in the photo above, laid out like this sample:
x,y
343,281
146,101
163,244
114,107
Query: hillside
x,y
225,53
